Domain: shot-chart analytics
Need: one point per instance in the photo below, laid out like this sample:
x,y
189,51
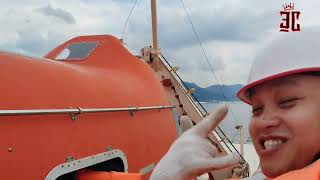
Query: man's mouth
x,y
270,144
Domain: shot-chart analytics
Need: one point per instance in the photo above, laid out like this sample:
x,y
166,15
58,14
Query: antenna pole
x,y
155,48
240,128
241,141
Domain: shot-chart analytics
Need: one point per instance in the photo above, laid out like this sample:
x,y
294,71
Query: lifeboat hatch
x,y
77,51
114,160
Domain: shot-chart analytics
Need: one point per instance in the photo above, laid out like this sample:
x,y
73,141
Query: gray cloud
x,y
31,42
231,31
212,24
58,13
193,58
238,27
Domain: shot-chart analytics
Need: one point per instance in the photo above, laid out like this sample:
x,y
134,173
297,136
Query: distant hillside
x,y
213,93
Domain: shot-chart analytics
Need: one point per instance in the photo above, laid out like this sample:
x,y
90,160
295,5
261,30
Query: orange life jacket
x,y
311,172
99,175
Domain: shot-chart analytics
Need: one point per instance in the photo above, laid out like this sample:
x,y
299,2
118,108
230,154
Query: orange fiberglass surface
x,y
96,72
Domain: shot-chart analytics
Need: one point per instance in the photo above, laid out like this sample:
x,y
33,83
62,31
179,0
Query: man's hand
x,y
192,154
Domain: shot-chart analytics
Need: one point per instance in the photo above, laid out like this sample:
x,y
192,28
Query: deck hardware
x,y
240,128
73,116
160,108
131,113
77,111
10,149
206,114
69,158
174,69
191,90
132,109
109,148
166,82
241,170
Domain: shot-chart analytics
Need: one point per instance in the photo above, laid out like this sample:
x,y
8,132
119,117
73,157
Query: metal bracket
x,y
174,69
242,170
69,158
155,51
10,149
73,116
206,114
190,91
132,111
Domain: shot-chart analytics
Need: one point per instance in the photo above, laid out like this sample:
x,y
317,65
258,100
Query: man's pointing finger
x,y
206,126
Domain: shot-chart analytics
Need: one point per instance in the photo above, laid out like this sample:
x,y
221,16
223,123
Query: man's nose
x,y
270,119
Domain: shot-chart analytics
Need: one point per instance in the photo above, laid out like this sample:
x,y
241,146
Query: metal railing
x,y
78,110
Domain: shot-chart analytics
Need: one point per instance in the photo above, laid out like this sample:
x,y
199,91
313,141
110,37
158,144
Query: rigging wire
x,y
235,135
125,25
224,136
207,59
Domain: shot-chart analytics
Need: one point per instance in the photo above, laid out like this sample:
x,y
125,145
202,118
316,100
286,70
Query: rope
x,y
125,25
207,59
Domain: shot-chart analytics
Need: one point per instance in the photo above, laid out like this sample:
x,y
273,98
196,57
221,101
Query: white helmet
x,y
294,52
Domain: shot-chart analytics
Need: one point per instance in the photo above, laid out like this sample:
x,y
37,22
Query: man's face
x,y
285,124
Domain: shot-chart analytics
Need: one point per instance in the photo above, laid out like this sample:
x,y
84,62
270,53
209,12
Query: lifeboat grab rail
x,y
77,111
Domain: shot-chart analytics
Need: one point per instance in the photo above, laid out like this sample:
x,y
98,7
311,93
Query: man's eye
x,y
288,102
256,111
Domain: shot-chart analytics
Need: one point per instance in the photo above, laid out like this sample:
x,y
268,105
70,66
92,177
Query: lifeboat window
x,y
77,51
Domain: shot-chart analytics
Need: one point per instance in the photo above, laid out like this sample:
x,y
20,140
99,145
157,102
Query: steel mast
x,y
155,48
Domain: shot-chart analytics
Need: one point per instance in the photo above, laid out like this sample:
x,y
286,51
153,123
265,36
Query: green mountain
x,y
213,93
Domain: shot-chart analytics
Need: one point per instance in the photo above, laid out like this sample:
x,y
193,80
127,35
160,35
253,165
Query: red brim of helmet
x,y
243,95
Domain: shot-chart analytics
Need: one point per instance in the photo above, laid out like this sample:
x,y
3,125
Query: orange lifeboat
x,y
97,72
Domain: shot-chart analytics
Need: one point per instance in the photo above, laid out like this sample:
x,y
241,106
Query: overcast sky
x,y
232,31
